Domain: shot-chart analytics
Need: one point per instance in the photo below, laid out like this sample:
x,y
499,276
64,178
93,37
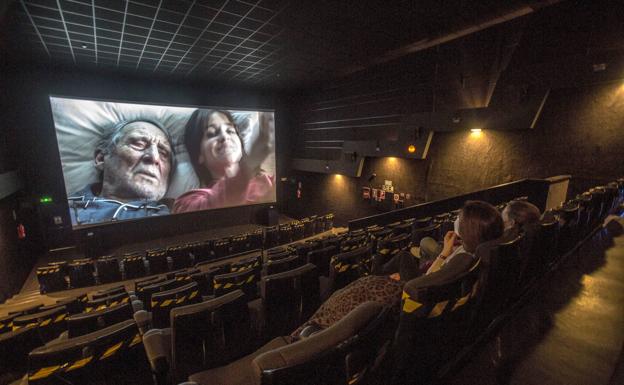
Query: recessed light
x,y
84,46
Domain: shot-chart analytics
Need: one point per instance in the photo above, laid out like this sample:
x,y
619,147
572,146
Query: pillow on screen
x,y
81,123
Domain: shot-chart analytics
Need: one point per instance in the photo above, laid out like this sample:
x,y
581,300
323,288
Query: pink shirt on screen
x,y
258,188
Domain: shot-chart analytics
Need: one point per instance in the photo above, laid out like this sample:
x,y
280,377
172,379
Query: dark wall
x,y
580,132
40,163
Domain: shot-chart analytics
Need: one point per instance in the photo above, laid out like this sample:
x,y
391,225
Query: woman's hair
x,y
193,134
522,213
479,222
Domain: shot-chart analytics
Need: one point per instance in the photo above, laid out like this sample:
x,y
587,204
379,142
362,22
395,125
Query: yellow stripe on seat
x,y
227,285
180,300
60,317
461,301
79,364
438,309
112,350
166,302
193,294
409,305
45,322
217,285
250,279
344,268
44,372
137,339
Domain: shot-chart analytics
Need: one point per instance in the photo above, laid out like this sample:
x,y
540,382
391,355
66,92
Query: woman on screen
x,y
228,175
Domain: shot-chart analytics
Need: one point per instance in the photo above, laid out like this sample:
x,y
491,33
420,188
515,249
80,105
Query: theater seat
x,y
51,278
14,348
327,357
85,323
50,323
435,318
163,302
81,273
133,265
347,267
271,237
107,269
274,266
244,280
89,358
157,260
221,324
288,299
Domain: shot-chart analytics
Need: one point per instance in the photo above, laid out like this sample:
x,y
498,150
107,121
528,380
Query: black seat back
x,y
433,231
321,257
81,273
51,278
501,268
254,263
104,302
209,334
108,269
85,323
157,260
162,302
297,230
15,346
271,237
108,292
238,244
145,293
289,298
285,233
49,323
347,267
275,266
244,280
435,314
83,359
329,221
133,265
181,256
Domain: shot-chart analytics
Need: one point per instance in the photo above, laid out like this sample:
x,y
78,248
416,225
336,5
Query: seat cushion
x,y
239,372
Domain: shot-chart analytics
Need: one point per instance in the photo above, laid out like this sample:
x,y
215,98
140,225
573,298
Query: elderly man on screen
x,y
134,162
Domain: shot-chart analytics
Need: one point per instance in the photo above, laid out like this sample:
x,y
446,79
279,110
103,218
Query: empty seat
x,y
50,323
157,260
133,265
108,292
327,357
569,220
254,263
403,228
163,302
308,227
256,239
139,284
353,243
329,221
81,273
222,324
433,231
285,233
274,266
297,230
238,244
349,266
73,305
145,293
51,278
321,257
319,224
289,298
14,348
245,280
302,249
221,248
202,251
105,302
85,323
108,269
181,256
89,358
277,256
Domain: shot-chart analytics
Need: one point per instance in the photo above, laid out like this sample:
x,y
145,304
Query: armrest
x,y
143,320
137,304
157,343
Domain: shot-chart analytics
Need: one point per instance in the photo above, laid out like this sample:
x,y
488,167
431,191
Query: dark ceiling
x,y
266,43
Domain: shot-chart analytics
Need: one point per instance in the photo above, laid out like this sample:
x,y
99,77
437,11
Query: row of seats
x,y
216,335
58,276
437,318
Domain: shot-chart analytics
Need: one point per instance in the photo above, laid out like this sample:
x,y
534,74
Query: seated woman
x,y
228,176
478,222
517,216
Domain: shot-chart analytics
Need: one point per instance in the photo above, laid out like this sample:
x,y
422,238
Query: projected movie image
x,y
125,161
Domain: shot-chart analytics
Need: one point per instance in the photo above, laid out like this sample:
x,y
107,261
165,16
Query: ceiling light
x,y
84,46
475,130
411,149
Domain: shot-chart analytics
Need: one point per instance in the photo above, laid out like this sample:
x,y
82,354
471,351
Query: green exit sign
x,y
45,199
